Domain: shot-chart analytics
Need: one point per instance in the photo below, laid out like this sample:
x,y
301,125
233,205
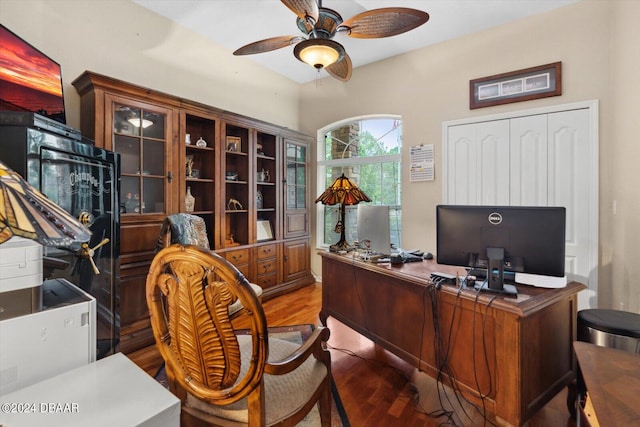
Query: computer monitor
x,y
374,229
499,239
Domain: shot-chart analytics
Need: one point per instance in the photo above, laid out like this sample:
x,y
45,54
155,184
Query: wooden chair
x,y
188,229
222,378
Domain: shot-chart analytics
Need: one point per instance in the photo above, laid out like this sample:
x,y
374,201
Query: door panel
x,y
478,163
568,186
528,161
493,138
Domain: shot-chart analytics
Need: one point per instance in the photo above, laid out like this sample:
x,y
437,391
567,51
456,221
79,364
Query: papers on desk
x,y
541,281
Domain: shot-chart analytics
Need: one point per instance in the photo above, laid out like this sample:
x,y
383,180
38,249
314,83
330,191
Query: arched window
x,y
368,151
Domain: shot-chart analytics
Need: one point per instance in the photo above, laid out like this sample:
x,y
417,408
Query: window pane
x,y
152,158
301,178
365,138
301,154
374,147
129,149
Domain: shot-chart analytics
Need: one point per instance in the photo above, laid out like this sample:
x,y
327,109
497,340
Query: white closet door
x,y
550,159
462,165
568,186
528,161
478,164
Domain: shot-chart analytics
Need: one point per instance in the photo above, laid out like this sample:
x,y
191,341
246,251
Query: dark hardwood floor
x,y
376,387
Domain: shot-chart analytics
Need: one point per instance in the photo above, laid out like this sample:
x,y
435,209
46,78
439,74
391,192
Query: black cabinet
x,y
85,181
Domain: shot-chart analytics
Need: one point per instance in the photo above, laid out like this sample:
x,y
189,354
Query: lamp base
x,y
341,246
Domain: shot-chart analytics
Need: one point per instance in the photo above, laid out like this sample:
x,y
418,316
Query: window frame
x,y
322,165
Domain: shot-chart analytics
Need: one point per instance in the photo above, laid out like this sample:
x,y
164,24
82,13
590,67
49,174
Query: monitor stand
x,y
495,275
507,290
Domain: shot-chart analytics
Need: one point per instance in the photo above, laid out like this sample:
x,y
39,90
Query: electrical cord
x,y
442,352
442,348
442,357
486,357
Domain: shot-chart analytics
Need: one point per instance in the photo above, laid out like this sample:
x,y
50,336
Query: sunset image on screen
x,y
29,80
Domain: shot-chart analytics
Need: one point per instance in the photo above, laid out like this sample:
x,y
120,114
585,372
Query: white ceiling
x,y
234,23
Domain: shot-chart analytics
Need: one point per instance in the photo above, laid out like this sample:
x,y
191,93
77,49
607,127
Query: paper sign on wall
x,y
422,163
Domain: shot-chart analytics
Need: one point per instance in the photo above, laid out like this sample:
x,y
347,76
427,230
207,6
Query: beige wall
x,y
596,40
120,39
620,153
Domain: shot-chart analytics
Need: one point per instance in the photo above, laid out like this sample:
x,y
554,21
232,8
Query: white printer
x,y
46,328
20,277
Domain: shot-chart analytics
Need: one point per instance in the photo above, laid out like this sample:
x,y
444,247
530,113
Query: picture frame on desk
x,y
264,231
516,86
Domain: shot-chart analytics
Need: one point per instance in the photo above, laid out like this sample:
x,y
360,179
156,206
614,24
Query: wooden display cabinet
x,y
248,174
296,179
124,120
266,188
199,158
236,191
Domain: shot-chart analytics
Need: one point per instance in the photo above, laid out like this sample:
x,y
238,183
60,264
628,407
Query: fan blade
x,y
385,22
303,8
341,70
267,45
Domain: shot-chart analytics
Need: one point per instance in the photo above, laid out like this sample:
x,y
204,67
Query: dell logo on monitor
x,y
495,218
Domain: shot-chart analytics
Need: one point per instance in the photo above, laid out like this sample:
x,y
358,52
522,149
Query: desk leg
x,y
323,318
572,399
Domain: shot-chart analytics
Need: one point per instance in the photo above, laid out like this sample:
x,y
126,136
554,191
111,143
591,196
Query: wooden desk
x,y
612,379
527,339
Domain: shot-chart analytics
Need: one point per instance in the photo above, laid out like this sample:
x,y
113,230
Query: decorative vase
x,y
189,201
187,139
201,142
259,200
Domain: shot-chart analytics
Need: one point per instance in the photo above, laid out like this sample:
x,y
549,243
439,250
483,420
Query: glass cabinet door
x,y
296,189
140,135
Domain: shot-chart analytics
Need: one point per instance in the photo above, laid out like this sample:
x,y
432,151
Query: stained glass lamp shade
x,y
346,193
26,212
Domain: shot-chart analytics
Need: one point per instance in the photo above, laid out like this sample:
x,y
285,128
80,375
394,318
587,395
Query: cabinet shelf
x,y
196,148
202,212
205,180
262,156
236,153
236,182
239,211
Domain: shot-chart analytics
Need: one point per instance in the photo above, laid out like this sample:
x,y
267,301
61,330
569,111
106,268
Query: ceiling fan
x,y
320,24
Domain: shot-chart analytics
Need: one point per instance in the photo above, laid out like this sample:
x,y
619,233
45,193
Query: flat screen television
x,y
374,229
499,239
29,80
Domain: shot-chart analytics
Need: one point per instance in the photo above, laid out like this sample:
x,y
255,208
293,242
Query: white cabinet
x,y
111,392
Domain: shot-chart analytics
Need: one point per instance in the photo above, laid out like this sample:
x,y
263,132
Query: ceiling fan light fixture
x,y
319,53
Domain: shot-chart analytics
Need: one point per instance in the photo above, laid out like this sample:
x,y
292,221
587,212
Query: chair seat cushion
x,y
237,306
284,394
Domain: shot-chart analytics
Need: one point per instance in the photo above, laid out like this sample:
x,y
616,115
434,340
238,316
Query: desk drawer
x,y
267,281
266,266
266,251
237,257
